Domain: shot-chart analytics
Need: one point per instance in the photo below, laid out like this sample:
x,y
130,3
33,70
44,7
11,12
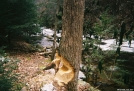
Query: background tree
x,y
47,9
18,18
71,42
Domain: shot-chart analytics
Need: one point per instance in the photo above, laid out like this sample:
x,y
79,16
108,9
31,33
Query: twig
x,y
105,74
96,87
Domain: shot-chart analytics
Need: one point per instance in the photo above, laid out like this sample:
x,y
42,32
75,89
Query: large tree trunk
x,y
71,42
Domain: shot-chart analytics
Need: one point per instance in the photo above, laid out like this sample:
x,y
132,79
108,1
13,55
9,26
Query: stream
x,y
45,42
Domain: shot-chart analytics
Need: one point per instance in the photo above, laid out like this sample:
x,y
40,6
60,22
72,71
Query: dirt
x,y
30,69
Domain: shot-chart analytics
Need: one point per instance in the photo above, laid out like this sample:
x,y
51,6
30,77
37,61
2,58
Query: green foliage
x,y
87,27
18,18
47,16
104,24
2,51
87,72
7,73
99,18
47,20
100,66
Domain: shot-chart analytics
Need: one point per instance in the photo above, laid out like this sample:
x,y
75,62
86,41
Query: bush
x,y
7,72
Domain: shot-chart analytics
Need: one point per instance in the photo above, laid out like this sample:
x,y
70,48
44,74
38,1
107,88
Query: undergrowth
x,y
8,76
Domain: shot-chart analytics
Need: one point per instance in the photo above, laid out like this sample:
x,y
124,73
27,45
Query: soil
x,y
30,68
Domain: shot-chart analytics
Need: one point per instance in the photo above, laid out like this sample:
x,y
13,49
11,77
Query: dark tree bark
x,y
122,32
71,41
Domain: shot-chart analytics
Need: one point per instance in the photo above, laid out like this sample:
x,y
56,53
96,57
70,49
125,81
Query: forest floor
x,y
30,69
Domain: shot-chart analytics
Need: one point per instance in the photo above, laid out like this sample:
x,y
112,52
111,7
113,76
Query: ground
x,y
30,67
30,70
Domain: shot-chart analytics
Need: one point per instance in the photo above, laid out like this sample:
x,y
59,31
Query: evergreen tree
x,y
17,17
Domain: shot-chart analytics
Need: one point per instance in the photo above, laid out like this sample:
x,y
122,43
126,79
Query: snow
x,y
81,75
111,45
48,32
48,87
108,45
126,48
58,35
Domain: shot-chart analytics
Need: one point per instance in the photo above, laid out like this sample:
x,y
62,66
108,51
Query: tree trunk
x,y
71,41
9,38
55,30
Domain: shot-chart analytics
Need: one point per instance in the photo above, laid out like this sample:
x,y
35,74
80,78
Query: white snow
x,y
108,45
111,45
48,32
125,47
58,35
48,87
81,75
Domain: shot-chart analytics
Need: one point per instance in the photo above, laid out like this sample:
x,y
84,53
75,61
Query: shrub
x,y
7,72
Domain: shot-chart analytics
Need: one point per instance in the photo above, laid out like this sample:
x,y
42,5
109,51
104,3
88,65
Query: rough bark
x,y
71,41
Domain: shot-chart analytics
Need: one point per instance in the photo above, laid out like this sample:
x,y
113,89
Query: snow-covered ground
x,y
49,32
125,47
111,45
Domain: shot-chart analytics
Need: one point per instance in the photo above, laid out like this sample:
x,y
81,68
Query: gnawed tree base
x,y
64,72
82,86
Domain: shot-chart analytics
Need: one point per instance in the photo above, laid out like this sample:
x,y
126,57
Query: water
x,y
45,42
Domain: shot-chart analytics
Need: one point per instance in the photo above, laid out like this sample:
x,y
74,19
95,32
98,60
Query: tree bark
x,y
55,30
71,41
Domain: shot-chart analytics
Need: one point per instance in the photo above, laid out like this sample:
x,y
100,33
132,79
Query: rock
x,y
24,89
113,68
84,86
81,75
48,87
49,37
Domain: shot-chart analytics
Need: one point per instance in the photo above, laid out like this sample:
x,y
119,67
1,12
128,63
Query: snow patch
x,y
48,87
111,45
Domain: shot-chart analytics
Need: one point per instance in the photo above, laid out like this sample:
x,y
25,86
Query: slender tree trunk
x,y
71,41
55,29
9,38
